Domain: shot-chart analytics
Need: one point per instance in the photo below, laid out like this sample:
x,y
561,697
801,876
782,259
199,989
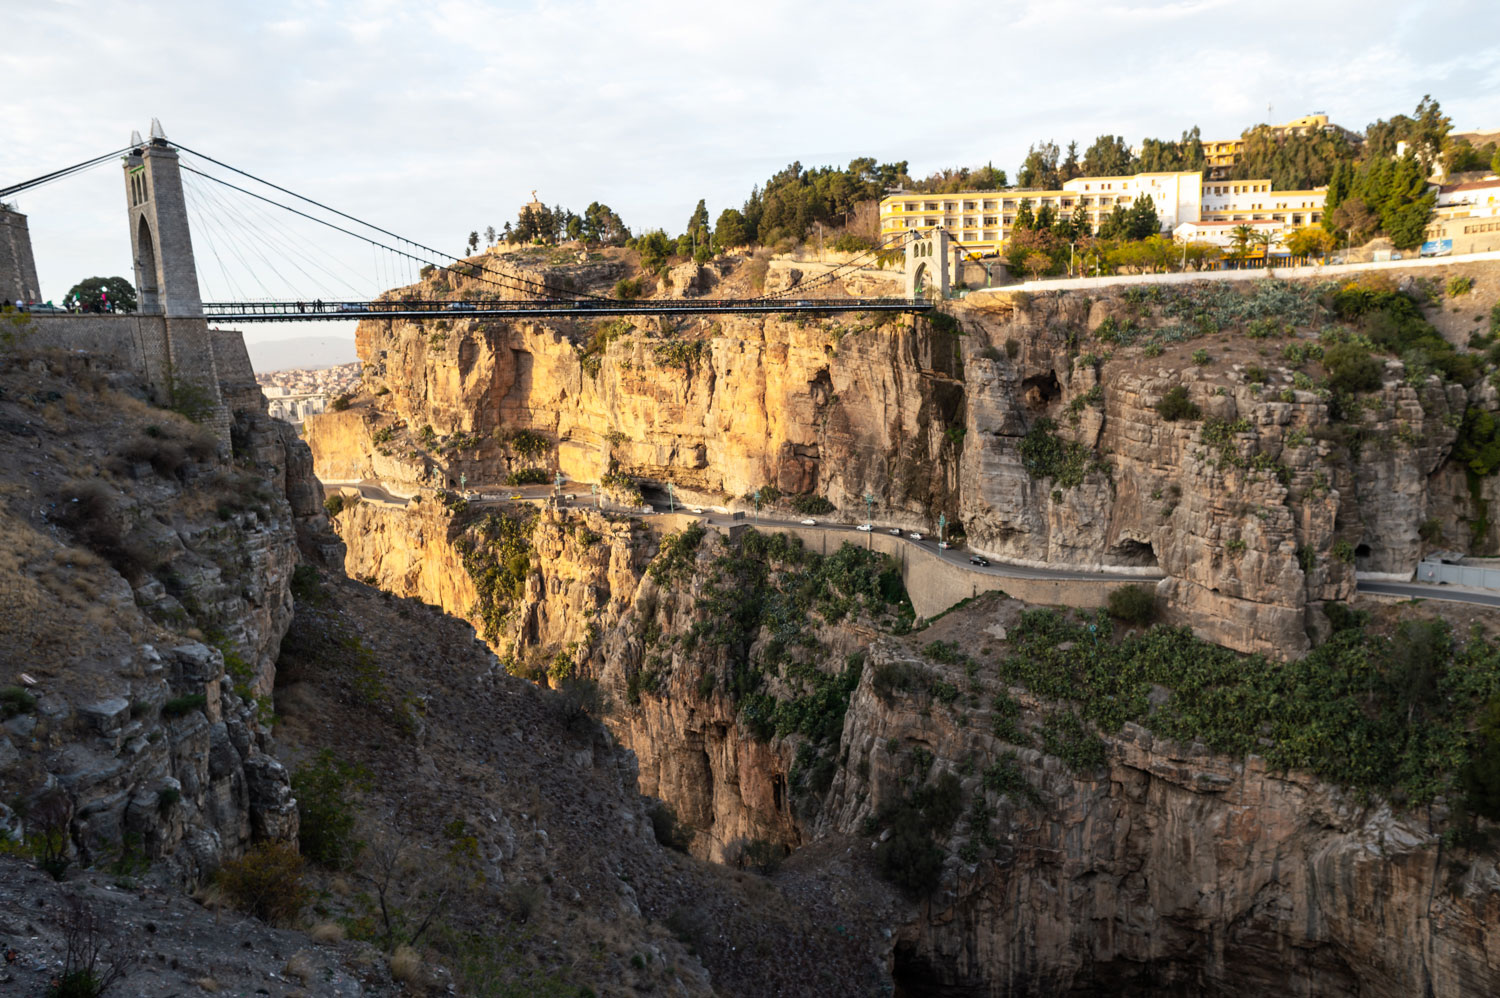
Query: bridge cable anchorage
x,y
66,171
533,286
356,235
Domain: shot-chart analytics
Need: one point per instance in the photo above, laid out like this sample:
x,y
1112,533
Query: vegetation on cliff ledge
x,y
1382,713
496,553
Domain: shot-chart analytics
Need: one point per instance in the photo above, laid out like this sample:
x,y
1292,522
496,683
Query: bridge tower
x,y
181,365
927,262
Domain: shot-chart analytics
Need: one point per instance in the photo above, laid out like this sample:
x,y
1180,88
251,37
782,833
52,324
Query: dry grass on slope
x,y
566,883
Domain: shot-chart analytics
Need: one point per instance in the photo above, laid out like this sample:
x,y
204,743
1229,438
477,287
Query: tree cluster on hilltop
x,y
1371,191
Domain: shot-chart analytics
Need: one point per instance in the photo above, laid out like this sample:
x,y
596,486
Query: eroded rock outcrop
x,y
150,586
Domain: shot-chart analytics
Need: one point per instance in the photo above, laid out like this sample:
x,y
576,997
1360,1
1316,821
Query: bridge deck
x,y
591,308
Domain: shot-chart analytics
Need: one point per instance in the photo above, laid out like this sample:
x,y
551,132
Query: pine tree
x,y
1024,218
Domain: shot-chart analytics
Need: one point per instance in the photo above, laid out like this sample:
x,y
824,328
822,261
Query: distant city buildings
x,y
295,395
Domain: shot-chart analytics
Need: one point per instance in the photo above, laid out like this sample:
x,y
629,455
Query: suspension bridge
x,y
262,235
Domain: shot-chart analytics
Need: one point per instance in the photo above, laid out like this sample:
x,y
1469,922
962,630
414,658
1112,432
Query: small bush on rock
x,y
266,883
1177,405
1133,604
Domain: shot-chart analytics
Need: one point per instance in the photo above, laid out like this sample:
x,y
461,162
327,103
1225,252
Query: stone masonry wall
x,y
17,267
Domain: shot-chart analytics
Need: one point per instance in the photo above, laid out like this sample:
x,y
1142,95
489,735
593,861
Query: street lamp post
x,y
1070,258
671,499
756,497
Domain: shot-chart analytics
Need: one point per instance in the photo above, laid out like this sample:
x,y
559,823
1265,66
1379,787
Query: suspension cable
x,y
59,174
533,285
356,235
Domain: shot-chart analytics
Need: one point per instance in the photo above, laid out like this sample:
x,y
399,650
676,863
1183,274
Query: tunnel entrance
x,y
1134,553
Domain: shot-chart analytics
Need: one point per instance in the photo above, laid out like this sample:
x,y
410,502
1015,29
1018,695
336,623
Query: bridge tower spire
x,y
181,365
165,274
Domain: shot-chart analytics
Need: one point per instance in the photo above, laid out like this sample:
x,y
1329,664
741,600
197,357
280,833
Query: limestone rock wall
x,y
150,581
1172,871
1251,531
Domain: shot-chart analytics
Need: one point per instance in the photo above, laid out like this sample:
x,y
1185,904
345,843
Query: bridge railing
x,y
421,308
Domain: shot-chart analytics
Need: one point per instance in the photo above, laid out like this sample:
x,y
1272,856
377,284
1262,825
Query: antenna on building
x,y
135,138
156,130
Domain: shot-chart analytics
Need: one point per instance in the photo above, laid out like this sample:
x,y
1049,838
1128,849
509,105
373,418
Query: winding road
x,y
540,493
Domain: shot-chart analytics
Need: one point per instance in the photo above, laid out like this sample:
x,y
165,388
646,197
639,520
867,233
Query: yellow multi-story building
x,y
981,221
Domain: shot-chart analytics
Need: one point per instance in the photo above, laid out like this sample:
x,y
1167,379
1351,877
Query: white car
x,y
895,531
944,545
914,536
865,527
809,522
697,509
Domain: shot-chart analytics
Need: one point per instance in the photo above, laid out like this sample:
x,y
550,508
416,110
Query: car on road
x,y
350,306
979,560
809,522
696,509
865,527
914,536
895,531
518,496
944,545
462,306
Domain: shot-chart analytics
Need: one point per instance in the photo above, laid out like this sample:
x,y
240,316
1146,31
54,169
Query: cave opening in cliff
x,y
1362,551
1134,553
914,976
1039,389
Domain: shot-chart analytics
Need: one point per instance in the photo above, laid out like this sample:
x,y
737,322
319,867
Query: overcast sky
x,y
436,118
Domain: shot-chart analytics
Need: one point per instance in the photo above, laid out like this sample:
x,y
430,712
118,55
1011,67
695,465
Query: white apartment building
x,y
1253,201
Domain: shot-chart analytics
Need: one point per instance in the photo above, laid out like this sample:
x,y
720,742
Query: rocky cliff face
x,y
1169,870
150,584
1255,509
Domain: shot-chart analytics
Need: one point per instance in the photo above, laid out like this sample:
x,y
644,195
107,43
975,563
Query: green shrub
x,y
13,701
1176,404
266,883
674,564
628,288
528,476
1046,455
341,403
812,505
326,790
1351,368
1004,776
1006,725
990,353
178,706
1065,736
334,505
1133,604
1255,375
908,857
1343,551
1200,357
1459,284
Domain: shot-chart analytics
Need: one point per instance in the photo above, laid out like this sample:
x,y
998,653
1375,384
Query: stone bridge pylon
x,y
180,367
931,256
